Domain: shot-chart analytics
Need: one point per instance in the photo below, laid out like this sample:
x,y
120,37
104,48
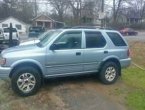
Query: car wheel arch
x,y
115,60
26,64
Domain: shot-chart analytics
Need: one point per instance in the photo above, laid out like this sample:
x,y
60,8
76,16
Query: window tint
x,y
116,39
36,29
69,40
94,40
6,30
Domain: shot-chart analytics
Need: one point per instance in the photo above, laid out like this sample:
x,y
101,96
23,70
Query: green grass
x,y
136,100
134,78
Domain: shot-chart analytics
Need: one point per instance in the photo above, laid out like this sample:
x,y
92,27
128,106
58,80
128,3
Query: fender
x,y
110,57
29,61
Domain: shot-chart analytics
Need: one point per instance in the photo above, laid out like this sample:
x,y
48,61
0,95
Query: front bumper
x,y
4,72
125,62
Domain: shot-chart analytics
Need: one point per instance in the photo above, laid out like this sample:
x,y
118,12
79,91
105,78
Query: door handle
x,y
105,52
78,53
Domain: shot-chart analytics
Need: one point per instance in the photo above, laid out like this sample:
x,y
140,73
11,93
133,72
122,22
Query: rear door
x,y
94,51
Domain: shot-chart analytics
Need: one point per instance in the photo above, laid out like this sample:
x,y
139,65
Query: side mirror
x,y
57,46
53,47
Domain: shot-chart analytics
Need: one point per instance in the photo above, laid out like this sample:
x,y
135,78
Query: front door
x,y
68,58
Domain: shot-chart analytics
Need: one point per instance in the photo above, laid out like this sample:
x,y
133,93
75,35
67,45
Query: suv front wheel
x,y
109,73
26,81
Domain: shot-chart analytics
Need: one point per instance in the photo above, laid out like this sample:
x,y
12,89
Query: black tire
x,y
18,73
103,73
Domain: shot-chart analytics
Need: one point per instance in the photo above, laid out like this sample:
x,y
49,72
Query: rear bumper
x,y
125,62
4,72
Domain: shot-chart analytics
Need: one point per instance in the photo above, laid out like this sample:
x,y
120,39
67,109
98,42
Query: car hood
x,y
21,48
30,42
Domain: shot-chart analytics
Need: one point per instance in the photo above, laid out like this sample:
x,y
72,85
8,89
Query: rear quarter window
x,y
116,39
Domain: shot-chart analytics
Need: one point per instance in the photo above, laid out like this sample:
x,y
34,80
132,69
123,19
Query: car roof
x,y
84,27
101,30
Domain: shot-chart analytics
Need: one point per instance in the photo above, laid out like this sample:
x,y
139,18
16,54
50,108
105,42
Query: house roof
x,y
43,16
12,18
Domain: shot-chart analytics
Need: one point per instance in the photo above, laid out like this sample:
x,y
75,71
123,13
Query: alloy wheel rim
x,y
110,74
26,82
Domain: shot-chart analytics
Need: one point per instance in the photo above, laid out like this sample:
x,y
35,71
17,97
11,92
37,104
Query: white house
x,y
21,26
47,22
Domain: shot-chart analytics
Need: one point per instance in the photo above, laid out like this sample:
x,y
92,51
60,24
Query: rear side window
x,y
116,39
94,40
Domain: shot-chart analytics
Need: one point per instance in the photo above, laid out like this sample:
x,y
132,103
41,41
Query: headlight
x,y
2,61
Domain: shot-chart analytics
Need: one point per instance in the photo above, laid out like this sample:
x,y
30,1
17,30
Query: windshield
x,y
44,38
7,30
36,29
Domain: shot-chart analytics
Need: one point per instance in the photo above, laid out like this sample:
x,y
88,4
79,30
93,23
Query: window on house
x,y
4,25
18,26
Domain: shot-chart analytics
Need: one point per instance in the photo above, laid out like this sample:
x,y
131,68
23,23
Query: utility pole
x,y
102,11
113,10
10,35
35,8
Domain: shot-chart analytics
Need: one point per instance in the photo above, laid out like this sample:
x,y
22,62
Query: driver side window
x,y
69,40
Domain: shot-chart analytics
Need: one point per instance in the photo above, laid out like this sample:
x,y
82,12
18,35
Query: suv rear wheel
x,y
26,81
109,73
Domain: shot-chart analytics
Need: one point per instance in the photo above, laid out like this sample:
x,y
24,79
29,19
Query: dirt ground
x,y
73,93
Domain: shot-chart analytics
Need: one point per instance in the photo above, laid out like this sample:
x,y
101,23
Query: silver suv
x,y
66,52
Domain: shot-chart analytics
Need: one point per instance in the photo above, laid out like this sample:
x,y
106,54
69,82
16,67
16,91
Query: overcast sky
x,y
45,7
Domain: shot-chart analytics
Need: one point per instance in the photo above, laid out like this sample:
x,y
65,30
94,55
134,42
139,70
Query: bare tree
x,y
76,7
116,8
60,6
80,11
137,6
83,9
91,11
20,9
